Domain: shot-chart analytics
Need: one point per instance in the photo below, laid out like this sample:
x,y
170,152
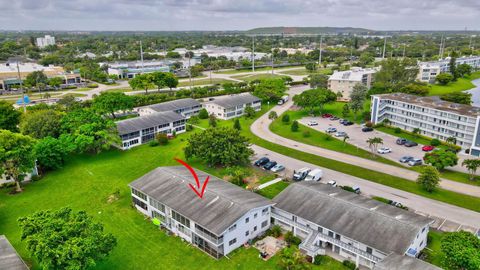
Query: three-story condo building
x,y
225,218
231,106
185,106
330,219
434,117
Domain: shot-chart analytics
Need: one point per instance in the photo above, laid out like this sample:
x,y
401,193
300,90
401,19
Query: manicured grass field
x,y
434,245
273,190
336,109
203,82
249,78
303,71
237,71
319,139
461,84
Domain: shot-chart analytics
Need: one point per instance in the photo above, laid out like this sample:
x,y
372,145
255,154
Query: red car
x,y
326,115
428,148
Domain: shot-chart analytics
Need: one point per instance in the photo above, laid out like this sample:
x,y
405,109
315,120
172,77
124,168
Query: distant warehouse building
x,y
225,218
428,71
344,81
128,70
434,117
140,130
186,107
231,106
355,227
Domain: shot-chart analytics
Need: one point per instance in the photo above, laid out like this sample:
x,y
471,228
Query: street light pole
x,y
21,89
320,52
253,54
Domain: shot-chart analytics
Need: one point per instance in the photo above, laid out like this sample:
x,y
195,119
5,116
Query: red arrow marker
x,y
197,181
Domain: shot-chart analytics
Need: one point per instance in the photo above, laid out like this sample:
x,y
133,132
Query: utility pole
x,y
404,45
384,46
320,52
190,70
470,44
21,88
272,59
253,54
440,53
141,56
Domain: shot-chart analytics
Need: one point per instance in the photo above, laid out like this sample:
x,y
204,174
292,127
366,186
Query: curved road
x,y
261,129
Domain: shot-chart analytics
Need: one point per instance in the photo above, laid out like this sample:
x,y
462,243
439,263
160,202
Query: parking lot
x,y
359,138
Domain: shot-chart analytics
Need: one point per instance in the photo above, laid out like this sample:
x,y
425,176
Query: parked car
x,y
312,123
332,183
269,165
314,175
401,141
384,150
341,121
405,159
410,143
300,174
331,130
277,168
347,123
340,134
367,129
326,115
262,161
394,203
334,118
356,189
415,162
283,100
428,148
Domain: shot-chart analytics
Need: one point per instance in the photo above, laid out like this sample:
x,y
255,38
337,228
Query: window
x,y
183,220
255,215
255,228
369,250
139,203
423,230
139,194
421,243
233,241
157,205
247,233
264,211
265,223
232,228
247,220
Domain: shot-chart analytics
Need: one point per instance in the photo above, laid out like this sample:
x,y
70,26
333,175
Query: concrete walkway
x,y
269,183
261,129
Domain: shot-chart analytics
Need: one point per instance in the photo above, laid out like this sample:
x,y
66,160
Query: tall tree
x,y
453,66
444,78
373,144
34,78
171,81
441,159
462,250
464,70
16,156
51,153
10,117
219,146
65,239
55,82
396,73
270,89
357,98
314,99
142,82
318,81
472,165
111,102
41,123
429,178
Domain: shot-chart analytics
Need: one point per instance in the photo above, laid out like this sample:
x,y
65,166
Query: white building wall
x,y
229,113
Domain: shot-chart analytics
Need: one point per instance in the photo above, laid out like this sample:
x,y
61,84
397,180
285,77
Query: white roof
x,y
355,74
25,67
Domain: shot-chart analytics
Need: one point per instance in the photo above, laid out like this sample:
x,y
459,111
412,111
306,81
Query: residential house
x,y
231,106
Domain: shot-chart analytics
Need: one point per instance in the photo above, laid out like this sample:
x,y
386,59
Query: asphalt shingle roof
x,y
222,205
138,123
399,262
174,105
234,100
376,224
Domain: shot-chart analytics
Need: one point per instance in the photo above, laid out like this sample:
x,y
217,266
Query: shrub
x,y
162,138
275,231
397,130
294,126
286,118
292,239
203,114
369,124
306,134
153,143
349,264
319,259
189,128
435,142
328,137
348,188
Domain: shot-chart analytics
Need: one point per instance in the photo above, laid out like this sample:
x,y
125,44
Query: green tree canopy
x,y
142,82
34,78
357,98
16,156
219,146
51,153
111,102
462,250
416,88
314,98
318,81
270,89
65,239
10,117
441,159
429,178
41,123
472,165
458,97
444,78
464,70
396,73
55,82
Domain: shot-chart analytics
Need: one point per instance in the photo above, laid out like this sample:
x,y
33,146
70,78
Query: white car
x,y
384,150
331,130
332,183
312,123
341,134
277,168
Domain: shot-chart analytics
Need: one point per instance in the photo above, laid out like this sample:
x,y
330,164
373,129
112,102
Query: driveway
x,y
435,209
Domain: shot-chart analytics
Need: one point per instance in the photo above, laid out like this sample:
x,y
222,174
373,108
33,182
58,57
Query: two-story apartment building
x,y
224,219
231,106
185,106
428,71
344,81
434,117
140,130
355,227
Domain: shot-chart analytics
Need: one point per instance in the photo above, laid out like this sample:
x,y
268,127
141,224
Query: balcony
x,y
308,243
209,238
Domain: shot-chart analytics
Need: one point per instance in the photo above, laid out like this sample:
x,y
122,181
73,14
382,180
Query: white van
x,y
314,175
283,100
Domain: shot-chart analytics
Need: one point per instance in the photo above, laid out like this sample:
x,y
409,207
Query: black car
x,y
401,141
367,129
410,144
261,162
269,165
347,123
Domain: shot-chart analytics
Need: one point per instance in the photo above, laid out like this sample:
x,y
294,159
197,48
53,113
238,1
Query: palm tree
x,y
472,166
373,144
451,140
345,138
415,132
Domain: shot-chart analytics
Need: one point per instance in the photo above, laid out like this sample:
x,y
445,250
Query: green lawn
x,y
82,89
321,139
461,84
237,71
434,249
303,71
336,109
249,78
272,190
203,82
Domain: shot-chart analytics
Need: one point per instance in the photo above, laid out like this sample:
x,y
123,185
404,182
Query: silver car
x,y
277,168
340,134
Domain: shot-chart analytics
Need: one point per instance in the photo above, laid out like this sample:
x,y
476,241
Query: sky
x,y
173,15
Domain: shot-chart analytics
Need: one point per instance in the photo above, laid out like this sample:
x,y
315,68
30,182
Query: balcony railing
x,y
215,241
